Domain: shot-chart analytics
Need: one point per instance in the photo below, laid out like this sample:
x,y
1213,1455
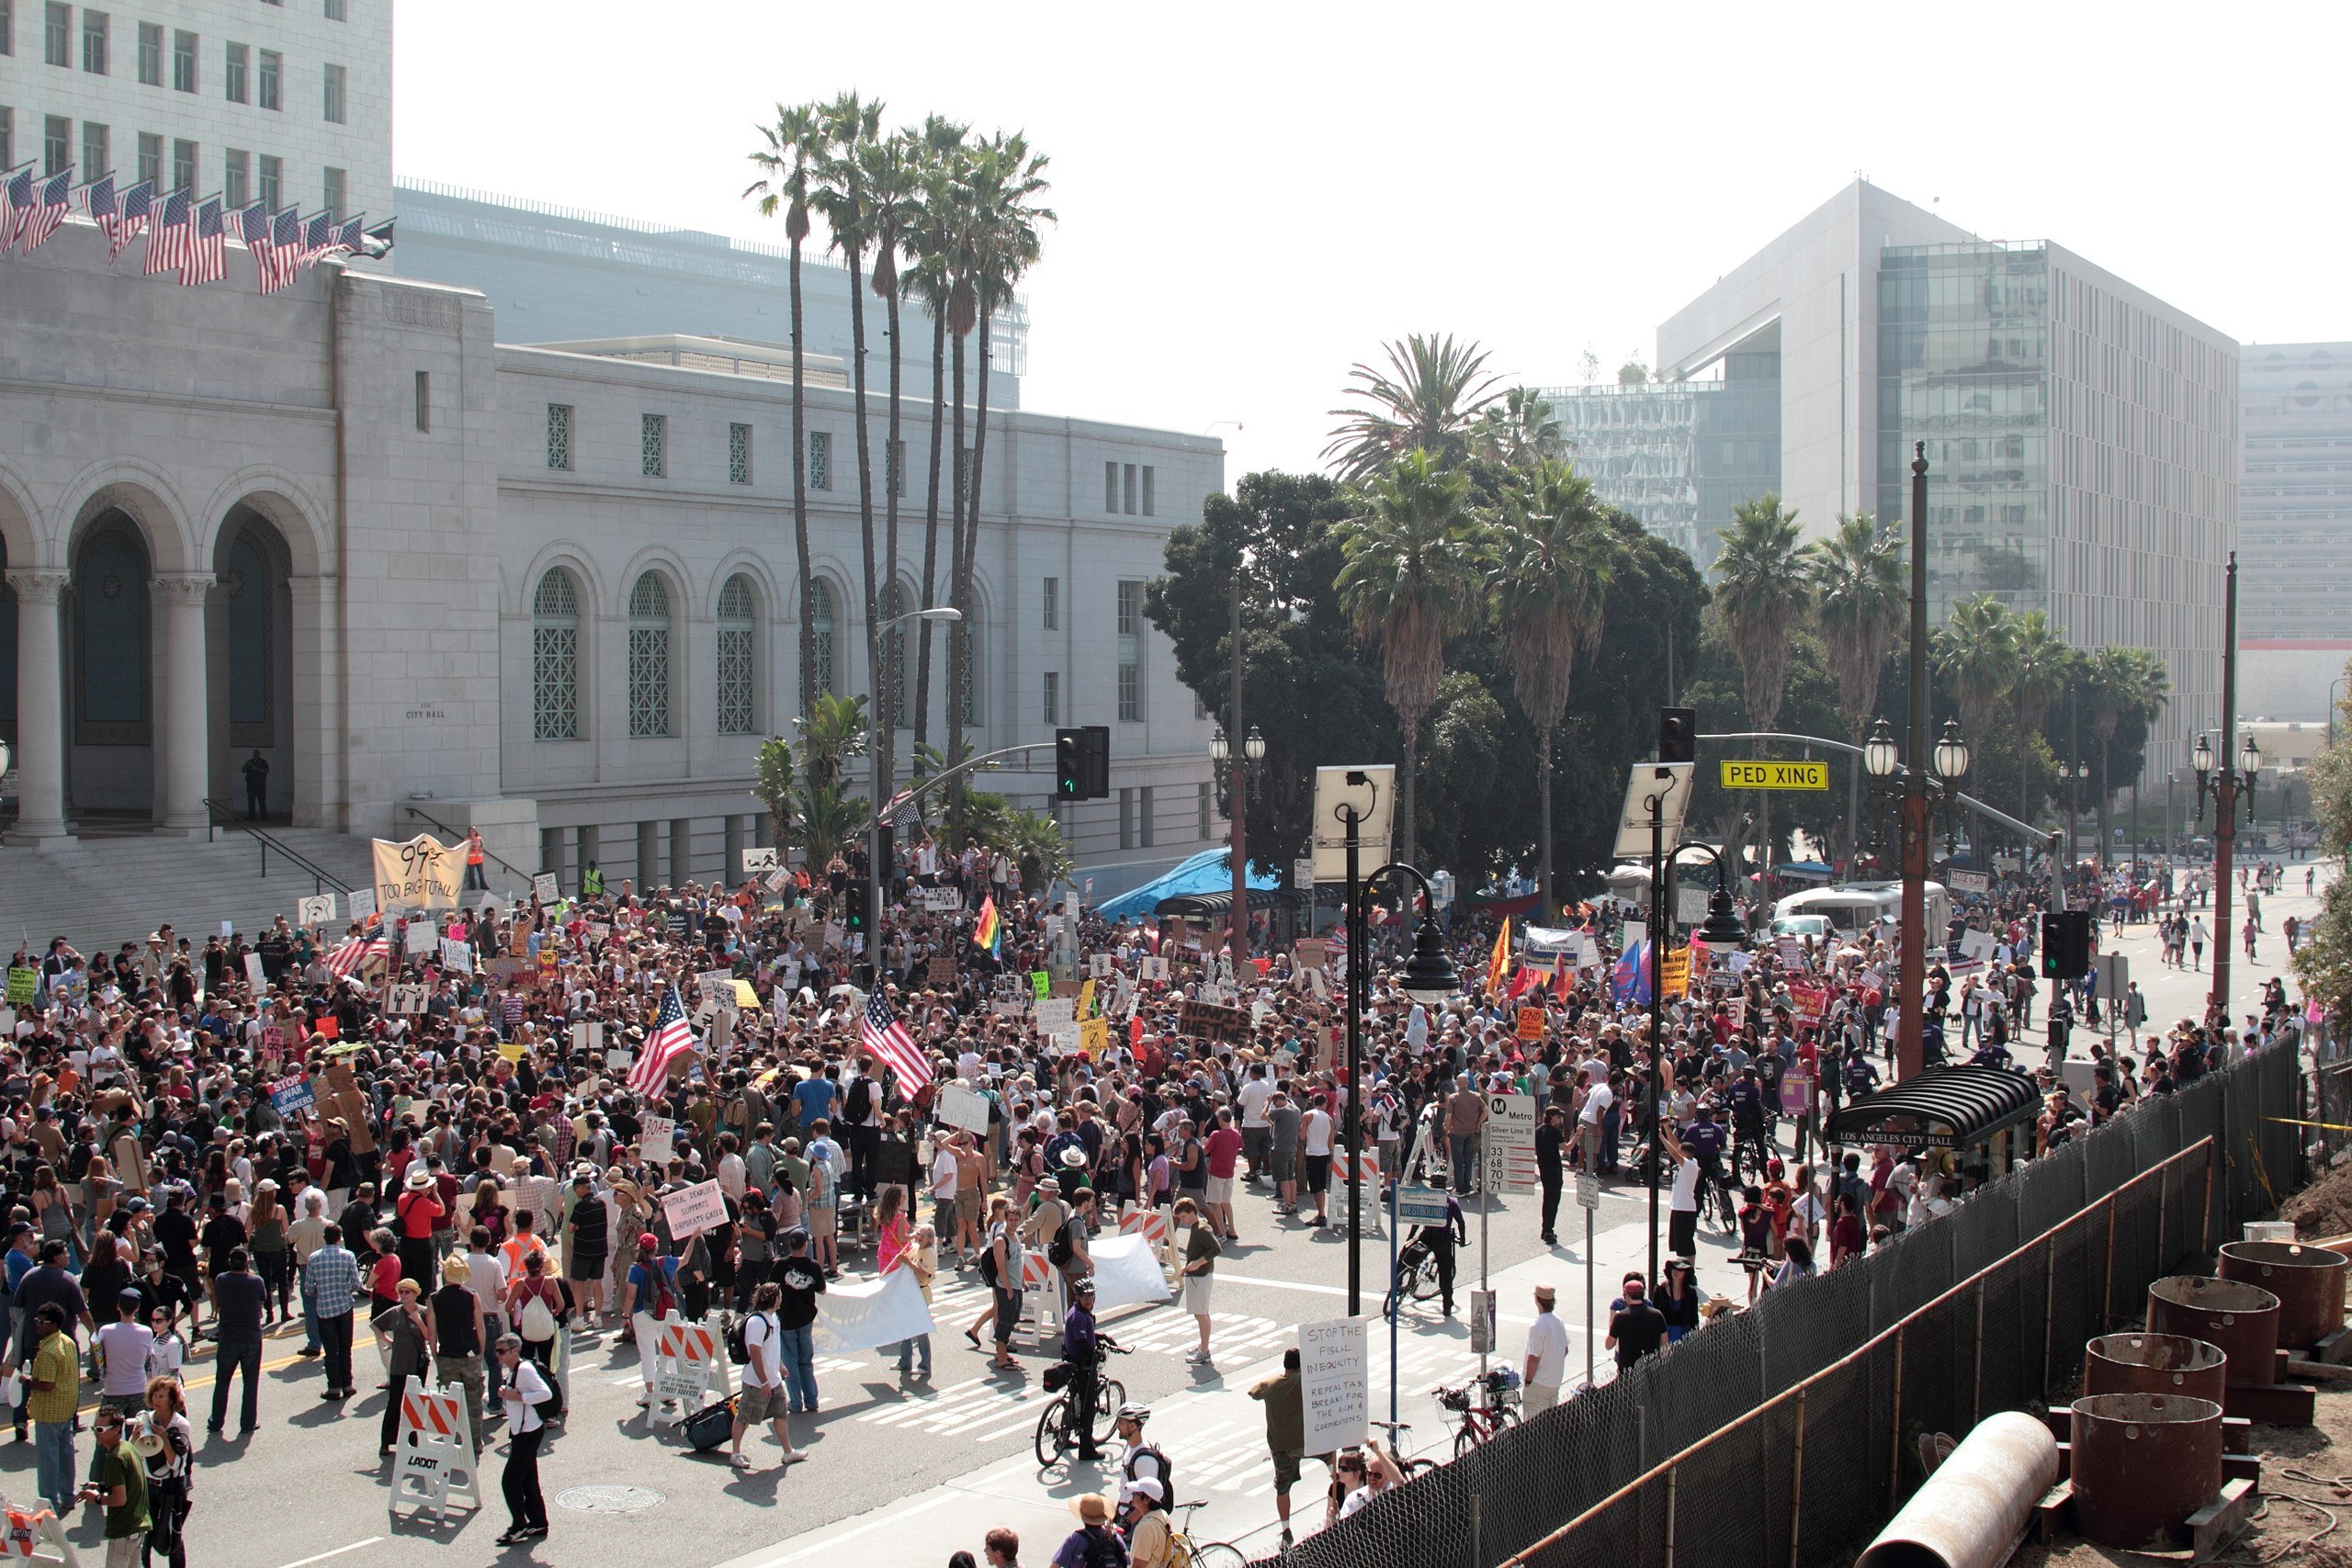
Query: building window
x,y
271,182
1143,818
1126,819
425,399
331,188
1110,488
1053,696
184,166
273,68
1129,474
7,32
1130,631
337,11
820,460
1205,809
95,160
739,454
8,135
56,144
649,658
237,177
94,41
151,159
559,434
57,34
232,73
1150,498
820,626
1053,604
183,61
151,55
653,447
333,94
555,658
737,658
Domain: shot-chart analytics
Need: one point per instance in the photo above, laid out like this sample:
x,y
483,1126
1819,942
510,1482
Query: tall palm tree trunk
x,y
1543,818
894,478
961,633
1406,793
800,500
881,717
931,526
956,490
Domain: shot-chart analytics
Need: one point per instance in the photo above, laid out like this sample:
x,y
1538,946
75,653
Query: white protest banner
x,y
965,1108
716,985
1098,966
694,1209
1054,1014
253,974
653,1137
456,955
363,903
1155,967
408,1001
1976,944
756,861
423,874
318,910
942,900
1970,882
589,1036
546,888
1335,1382
777,880
874,1312
1127,1272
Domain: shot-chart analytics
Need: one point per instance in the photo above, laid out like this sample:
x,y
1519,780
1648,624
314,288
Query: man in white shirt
x,y
1547,1354
1682,1216
525,1389
122,1348
1257,1133
762,1397
486,1278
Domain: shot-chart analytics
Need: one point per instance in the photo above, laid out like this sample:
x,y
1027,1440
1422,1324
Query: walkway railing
x,y
218,815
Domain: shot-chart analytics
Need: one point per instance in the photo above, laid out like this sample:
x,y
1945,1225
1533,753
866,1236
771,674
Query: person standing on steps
x,y
477,880
256,772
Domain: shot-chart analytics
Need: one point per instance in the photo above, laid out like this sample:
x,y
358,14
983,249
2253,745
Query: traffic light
x,y
1678,734
2066,944
1094,750
1069,765
858,896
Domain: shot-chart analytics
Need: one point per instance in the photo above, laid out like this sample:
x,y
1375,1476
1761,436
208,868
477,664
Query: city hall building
x,y
551,590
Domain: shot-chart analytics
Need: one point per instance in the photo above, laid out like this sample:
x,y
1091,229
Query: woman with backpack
x,y
649,1298
537,1306
1001,1270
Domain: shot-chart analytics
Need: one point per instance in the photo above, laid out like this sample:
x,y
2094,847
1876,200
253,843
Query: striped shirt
x,y
332,1276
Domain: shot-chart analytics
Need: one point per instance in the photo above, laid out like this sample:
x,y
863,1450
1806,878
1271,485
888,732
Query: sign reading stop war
x,y
1776,776
1335,1382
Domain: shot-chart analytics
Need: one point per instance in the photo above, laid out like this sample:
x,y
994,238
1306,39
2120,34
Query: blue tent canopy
x,y
1209,872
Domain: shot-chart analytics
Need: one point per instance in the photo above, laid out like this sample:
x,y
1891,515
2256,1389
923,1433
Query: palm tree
x,y
935,155
1518,431
2123,684
1411,579
2041,664
1555,561
1976,652
789,160
1426,400
1761,596
1858,603
890,191
1001,244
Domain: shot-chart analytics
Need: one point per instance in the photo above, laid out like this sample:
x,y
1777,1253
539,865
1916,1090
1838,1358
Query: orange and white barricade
x,y
1371,1186
1041,1294
434,1456
1157,1228
34,1535
690,1364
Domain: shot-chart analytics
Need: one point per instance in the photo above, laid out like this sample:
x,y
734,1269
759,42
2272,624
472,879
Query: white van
x,y
1855,907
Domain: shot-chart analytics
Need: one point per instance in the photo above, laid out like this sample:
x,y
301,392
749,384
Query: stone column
x,y
40,709
186,715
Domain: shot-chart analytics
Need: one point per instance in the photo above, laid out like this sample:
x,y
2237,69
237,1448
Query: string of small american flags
x,y
187,236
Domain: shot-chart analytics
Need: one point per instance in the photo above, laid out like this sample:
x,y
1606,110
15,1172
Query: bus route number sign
x,y
1776,776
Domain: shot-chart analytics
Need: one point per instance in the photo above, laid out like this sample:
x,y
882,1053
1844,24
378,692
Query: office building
x,y
2294,527
2082,437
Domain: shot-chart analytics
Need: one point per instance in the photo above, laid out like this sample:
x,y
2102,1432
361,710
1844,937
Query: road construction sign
x,y
1776,776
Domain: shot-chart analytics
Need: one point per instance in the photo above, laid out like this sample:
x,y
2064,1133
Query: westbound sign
x,y
1776,776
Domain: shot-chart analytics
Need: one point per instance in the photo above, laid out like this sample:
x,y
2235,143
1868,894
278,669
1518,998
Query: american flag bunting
x,y
129,218
51,196
279,256
173,235
208,255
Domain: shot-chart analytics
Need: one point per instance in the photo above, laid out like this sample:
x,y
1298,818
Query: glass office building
x,y
2295,494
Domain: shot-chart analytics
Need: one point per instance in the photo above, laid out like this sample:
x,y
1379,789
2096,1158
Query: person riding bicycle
x,y
1143,1461
1439,1241
1860,1076
1705,1140
1082,1347
1745,1098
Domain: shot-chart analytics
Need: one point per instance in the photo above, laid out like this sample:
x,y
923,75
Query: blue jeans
x,y
798,1350
907,1348
309,1321
53,1463
1460,1153
231,1356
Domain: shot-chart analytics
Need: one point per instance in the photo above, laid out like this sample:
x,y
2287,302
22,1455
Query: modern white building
x,y
286,102
552,592
2082,437
2295,528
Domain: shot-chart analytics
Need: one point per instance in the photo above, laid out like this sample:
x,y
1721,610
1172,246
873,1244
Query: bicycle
x,y
1751,1149
1202,1553
1056,1433
1395,1430
1486,1404
1416,1273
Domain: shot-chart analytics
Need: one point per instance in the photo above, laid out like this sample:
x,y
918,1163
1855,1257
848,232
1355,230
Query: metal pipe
x,y
1912,984
1970,1513
1796,1481
2225,802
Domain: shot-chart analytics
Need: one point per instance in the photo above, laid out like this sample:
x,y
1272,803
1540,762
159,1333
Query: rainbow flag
x,y
1501,959
984,930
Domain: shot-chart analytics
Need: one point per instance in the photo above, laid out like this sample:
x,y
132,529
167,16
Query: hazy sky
x,y
1254,196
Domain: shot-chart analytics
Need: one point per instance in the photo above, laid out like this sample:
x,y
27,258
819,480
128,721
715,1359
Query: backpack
x,y
1103,1548
990,1272
1062,1249
1167,1473
664,1271
860,1102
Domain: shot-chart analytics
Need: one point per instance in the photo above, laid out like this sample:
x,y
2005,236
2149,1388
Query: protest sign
x,y
317,910
1053,1015
941,970
1041,983
1310,951
694,1209
290,1095
1098,965
1213,1021
759,861
423,874
653,1137
456,955
962,1107
1531,1023
253,974
546,888
23,984
1095,1035
940,900
1335,1382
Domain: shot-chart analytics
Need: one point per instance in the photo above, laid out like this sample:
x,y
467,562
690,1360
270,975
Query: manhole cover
x,y
608,1499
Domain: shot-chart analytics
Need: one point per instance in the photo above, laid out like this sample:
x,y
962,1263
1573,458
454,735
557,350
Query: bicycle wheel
x,y
1503,1415
1217,1554
1424,1280
1465,1440
1106,1409
1053,1432
1413,1467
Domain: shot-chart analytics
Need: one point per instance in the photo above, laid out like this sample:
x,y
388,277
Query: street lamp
x,y
1880,760
874,878
1951,766
1221,753
1254,749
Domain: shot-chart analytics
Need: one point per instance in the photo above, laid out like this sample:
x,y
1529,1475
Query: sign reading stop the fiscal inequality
x,y
1776,776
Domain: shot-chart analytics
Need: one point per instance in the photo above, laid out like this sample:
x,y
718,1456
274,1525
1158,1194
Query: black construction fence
x,y
1783,1436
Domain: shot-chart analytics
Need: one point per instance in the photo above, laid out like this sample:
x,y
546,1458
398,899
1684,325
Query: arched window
x,y
736,655
820,626
649,656
246,592
555,658
893,604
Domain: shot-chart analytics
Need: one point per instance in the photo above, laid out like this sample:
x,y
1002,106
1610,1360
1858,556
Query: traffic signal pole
x,y
1910,1053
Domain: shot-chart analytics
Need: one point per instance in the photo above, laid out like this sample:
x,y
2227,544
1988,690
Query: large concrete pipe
x,y
2241,1319
1972,1511
2308,1280
2143,1463
2154,1364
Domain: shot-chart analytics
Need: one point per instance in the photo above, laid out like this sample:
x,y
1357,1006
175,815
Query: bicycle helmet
x,y
1138,1413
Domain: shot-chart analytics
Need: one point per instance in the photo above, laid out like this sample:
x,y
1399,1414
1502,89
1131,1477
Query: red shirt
x,y
417,1211
1224,1147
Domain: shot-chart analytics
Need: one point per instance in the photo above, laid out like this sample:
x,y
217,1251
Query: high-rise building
x,y
2294,527
282,101
2082,437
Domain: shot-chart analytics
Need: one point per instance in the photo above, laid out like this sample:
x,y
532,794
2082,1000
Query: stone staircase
x,y
107,887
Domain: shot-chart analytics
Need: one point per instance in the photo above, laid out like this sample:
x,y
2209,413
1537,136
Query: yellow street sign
x,y
1776,776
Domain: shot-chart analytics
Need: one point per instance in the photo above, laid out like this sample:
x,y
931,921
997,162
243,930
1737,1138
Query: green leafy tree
x,y
2324,960
1859,601
835,731
2041,665
788,163
773,785
1761,594
1517,431
1428,400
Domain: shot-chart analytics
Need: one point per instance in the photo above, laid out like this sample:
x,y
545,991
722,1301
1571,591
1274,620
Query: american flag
x,y
357,953
208,256
172,236
51,196
671,1039
350,236
880,1031
318,238
278,254
99,200
15,201
901,813
249,226
130,217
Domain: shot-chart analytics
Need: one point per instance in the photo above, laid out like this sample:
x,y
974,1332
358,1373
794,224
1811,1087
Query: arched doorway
x,y
250,649
110,755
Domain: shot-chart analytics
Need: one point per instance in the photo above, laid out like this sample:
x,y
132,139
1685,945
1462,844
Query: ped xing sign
x,y
1776,776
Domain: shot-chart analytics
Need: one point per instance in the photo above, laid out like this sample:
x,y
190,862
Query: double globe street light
x,y
1883,762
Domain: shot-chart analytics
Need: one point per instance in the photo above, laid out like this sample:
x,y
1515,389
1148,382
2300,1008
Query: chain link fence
x,y
1781,1436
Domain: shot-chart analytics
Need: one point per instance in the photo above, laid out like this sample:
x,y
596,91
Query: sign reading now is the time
x,y
1776,776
